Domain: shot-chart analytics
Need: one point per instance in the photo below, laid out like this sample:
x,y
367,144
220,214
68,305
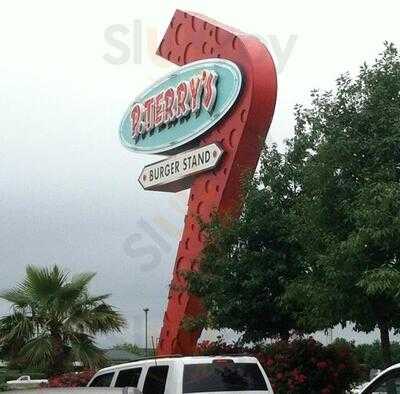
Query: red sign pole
x,y
241,133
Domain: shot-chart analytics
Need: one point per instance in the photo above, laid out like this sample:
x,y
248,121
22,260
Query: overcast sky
x,y
68,189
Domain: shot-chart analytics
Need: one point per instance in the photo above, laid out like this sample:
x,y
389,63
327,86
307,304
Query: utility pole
x,y
146,311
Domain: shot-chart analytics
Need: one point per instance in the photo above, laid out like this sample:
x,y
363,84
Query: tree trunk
x,y
385,344
58,364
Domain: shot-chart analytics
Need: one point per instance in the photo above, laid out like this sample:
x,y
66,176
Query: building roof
x,y
120,355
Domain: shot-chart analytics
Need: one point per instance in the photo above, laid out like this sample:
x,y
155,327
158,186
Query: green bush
x,y
3,386
371,354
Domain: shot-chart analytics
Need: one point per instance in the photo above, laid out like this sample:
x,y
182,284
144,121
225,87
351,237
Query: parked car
x,y
184,375
387,382
25,382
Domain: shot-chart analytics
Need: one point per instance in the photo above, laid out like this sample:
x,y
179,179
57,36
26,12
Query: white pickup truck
x,y
25,382
387,382
187,375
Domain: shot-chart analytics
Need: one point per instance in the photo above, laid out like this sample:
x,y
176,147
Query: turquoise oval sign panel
x,y
181,106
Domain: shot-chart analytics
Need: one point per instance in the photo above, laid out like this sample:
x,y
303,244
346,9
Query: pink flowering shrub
x,y
71,379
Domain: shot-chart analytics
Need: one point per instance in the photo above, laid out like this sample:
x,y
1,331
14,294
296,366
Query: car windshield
x,y
224,375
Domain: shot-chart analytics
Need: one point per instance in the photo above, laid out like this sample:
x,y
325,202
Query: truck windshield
x,y
222,376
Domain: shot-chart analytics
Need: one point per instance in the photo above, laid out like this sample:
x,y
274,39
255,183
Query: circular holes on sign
x,y
243,115
177,33
186,52
217,36
160,48
179,264
232,138
194,265
193,24
178,274
217,188
234,42
207,184
199,207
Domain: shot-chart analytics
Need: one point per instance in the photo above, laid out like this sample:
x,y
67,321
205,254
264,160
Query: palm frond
x,y
17,296
103,319
44,283
38,351
16,328
93,300
83,349
76,288
54,315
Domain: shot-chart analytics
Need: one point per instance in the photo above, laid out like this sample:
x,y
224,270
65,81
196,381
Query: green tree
x,y
54,320
371,355
249,261
130,347
347,216
135,349
318,242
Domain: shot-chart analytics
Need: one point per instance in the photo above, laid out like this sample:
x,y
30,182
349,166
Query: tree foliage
x,y
248,262
318,242
54,320
134,349
348,213
370,354
130,347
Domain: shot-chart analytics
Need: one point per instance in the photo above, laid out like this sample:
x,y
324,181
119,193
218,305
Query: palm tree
x,y
54,320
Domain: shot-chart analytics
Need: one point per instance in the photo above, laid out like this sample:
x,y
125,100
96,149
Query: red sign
x,y
241,134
